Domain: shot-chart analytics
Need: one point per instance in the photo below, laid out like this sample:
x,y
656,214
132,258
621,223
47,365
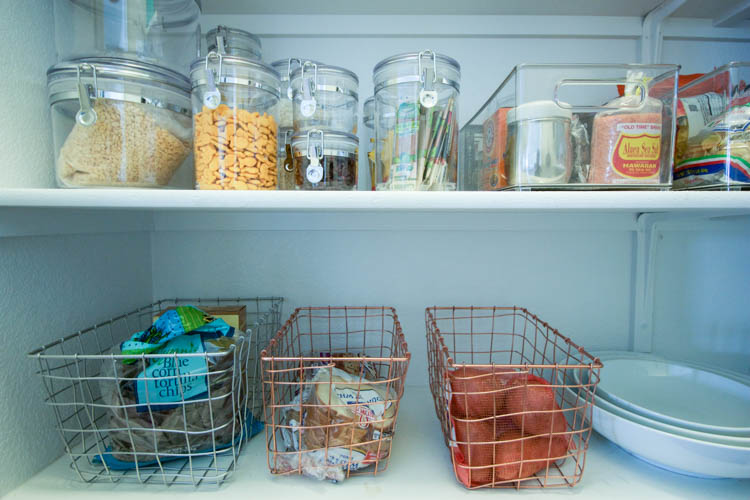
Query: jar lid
x,y
121,68
332,142
233,42
537,110
283,66
167,13
328,70
94,77
235,70
412,67
368,112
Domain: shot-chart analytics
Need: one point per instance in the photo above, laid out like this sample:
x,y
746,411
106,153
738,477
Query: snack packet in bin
x,y
345,424
163,408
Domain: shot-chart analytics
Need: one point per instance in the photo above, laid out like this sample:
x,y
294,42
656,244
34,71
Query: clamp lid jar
x,y
325,97
418,148
325,160
235,103
118,122
285,67
233,42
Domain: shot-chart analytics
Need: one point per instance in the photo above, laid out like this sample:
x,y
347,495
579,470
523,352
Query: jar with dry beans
x,y
325,160
235,103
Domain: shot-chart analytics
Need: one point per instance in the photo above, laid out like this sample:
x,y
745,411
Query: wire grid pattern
x,y
510,342
87,385
370,343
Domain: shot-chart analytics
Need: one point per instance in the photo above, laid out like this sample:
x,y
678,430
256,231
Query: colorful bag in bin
x,y
332,436
505,425
719,154
151,407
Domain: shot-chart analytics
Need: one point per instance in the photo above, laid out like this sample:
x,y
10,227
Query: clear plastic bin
x,y
118,122
163,32
574,126
712,149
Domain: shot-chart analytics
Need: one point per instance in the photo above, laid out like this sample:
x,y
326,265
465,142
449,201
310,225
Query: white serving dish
x,y
678,394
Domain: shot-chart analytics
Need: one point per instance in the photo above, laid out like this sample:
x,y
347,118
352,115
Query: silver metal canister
x,y
539,149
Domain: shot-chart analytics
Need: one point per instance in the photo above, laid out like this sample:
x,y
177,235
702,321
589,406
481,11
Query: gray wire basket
x,y
112,436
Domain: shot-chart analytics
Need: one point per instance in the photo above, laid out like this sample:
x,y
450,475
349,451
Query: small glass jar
x,y
118,123
165,32
233,42
324,98
285,161
235,102
325,160
417,149
368,119
285,67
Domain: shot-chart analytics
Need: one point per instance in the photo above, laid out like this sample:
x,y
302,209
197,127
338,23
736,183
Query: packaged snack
x,y
182,393
719,154
495,133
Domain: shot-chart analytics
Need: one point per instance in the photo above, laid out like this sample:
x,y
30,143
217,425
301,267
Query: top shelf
x,y
636,8
360,201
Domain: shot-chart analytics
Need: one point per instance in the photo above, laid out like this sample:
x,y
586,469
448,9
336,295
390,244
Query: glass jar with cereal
x,y
235,102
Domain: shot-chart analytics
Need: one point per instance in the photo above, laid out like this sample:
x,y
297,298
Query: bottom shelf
x,y
420,467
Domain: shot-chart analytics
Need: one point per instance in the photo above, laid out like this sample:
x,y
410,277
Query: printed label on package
x,y
637,151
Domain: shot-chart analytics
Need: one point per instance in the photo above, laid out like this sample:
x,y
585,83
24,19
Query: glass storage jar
x,y
235,102
163,32
324,98
417,149
325,160
285,67
368,119
233,42
118,123
285,162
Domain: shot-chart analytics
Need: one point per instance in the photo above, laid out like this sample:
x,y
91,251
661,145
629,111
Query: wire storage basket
x,y
332,381
508,393
111,408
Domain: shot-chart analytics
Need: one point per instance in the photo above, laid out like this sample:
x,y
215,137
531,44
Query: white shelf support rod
x,y
733,16
651,36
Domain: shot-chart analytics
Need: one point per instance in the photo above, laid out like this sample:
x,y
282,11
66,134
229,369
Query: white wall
x,y
51,286
27,38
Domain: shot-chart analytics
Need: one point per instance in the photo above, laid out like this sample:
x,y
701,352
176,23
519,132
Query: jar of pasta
x,y
235,102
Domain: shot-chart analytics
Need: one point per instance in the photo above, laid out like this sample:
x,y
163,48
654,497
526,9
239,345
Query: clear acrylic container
x,y
285,67
416,101
324,98
163,32
325,160
368,119
712,149
235,103
574,126
233,42
118,123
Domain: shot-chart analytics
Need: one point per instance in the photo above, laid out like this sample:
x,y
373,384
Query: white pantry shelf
x,y
419,468
342,201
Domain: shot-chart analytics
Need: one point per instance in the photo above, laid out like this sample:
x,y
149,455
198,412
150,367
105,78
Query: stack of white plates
x,y
684,417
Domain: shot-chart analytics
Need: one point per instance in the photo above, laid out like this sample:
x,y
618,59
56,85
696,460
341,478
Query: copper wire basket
x,y
508,395
332,381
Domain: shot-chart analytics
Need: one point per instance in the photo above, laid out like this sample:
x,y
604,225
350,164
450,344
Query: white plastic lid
x,y
537,110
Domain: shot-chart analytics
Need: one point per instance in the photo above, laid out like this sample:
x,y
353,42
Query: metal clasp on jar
x,y
314,172
86,115
212,96
428,96
308,87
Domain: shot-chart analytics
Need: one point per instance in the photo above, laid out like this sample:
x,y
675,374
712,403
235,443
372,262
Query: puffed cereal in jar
x,y
235,130
235,149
